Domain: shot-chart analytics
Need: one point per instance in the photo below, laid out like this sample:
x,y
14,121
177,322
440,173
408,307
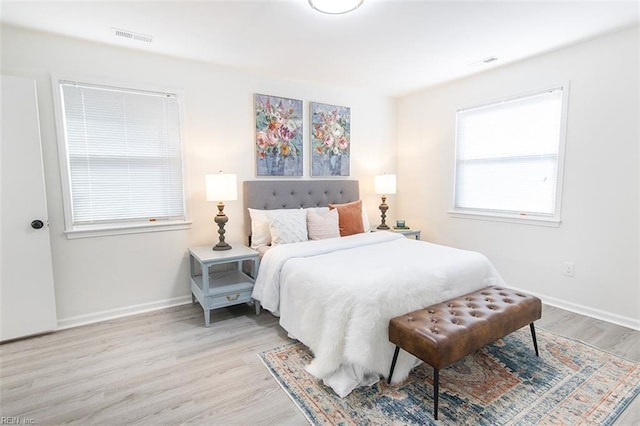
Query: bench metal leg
x,y
393,363
533,334
436,390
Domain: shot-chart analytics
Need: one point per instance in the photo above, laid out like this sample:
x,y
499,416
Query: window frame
x,y
541,219
73,231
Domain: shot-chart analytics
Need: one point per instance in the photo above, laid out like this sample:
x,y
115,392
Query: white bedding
x,y
337,296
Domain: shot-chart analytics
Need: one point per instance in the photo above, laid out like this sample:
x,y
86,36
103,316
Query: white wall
x,y
600,208
101,277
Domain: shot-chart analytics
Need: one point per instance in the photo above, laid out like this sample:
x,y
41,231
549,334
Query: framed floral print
x,y
330,140
278,136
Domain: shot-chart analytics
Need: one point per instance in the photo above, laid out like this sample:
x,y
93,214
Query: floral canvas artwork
x,y
330,140
278,136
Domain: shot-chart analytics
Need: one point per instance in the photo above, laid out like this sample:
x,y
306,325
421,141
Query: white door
x,y
27,299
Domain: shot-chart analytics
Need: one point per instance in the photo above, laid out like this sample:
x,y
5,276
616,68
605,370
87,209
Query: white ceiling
x,y
387,46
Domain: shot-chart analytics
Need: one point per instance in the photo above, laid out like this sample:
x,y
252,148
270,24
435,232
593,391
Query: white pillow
x,y
322,224
319,210
260,233
365,219
288,226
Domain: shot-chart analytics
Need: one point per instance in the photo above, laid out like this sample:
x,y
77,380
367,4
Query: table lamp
x,y
384,185
221,187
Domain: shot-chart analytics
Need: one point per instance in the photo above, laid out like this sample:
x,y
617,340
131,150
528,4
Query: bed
x,y
337,295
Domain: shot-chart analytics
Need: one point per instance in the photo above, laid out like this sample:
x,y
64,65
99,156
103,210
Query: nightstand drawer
x,y
228,299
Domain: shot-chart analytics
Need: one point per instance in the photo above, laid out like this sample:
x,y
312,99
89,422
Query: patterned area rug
x,y
505,383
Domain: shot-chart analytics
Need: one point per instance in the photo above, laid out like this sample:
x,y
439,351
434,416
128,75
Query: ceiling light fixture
x,y
335,7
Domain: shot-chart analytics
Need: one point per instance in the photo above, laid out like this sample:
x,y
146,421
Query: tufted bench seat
x,y
446,332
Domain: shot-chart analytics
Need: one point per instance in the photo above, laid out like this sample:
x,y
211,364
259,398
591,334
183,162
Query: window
x,y
509,157
121,157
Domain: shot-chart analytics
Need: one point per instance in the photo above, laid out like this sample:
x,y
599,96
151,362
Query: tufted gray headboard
x,y
294,194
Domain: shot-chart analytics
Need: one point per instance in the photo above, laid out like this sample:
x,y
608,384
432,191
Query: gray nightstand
x,y
408,232
219,288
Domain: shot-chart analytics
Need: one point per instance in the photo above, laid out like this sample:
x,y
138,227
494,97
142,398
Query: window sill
x,y
91,231
509,218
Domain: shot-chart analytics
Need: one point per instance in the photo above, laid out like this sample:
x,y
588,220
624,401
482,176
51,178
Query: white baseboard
x,y
121,312
182,300
587,311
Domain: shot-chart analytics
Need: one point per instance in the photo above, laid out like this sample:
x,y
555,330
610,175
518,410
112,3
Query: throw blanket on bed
x,y
337,296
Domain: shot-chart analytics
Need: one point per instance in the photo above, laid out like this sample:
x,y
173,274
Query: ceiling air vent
x,y
488,60
131,35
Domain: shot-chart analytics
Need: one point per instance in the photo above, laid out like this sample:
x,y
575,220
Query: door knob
x,y
37,224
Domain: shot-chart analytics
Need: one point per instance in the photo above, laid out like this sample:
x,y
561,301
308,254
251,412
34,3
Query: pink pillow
x,y
322,225
349,217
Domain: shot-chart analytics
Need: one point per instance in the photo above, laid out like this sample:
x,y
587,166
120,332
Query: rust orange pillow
x,y
349,217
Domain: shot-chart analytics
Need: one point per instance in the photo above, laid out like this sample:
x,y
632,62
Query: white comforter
x,y
337,296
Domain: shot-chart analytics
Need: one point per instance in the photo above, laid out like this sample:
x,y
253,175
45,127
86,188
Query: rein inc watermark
x,y
16,420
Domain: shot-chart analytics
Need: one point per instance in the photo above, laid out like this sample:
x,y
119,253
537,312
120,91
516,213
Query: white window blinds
x,y
508,155
124,154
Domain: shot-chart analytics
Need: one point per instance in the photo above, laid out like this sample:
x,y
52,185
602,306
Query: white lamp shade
x,y
385,184
335,7
221,187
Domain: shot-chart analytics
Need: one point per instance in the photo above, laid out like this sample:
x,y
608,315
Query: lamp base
x,y
222,246
383,214
221,219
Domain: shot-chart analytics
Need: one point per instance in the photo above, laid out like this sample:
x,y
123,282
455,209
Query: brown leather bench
x,y
446,332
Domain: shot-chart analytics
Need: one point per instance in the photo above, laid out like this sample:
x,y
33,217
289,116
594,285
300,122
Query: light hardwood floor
x,y
165,367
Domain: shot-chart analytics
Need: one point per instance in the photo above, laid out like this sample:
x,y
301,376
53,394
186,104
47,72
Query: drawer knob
x,y
232,298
